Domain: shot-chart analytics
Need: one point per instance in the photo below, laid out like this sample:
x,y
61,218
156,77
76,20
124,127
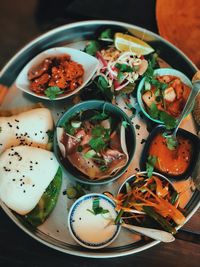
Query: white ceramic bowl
x,y
89,63
90,230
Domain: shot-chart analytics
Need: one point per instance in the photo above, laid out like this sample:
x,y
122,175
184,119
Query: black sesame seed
x,y
35,134
13,180
16,120
17,127
24,191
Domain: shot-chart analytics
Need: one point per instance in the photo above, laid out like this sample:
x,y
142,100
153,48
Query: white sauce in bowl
x,y
91,230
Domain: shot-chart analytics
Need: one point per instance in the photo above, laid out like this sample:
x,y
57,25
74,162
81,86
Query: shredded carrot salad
x,y
152,196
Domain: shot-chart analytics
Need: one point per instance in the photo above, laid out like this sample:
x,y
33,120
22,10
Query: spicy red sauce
x,y
174,162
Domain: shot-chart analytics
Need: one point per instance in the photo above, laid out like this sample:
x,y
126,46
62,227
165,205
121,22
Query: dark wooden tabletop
x,y
20,22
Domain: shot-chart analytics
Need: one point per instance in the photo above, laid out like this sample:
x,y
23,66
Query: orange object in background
x,y
179,22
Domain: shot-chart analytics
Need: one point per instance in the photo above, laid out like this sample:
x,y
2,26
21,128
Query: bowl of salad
x,y
94,142
162,95
150,201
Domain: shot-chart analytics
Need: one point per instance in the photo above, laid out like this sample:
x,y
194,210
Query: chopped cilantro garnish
x,y
69,128
153,111
96,208
53,91
151,161
103,85
171,142
92,47
120,77
169,121
124,67
97,144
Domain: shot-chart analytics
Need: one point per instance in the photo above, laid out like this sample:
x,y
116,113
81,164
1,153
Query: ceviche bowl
x,y
152,202
94,142
162,101
45,71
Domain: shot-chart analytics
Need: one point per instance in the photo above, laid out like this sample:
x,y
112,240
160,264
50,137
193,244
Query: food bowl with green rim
x,y
159,72
77,162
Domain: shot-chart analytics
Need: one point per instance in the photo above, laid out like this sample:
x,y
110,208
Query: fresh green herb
x,y
107,34
151,161
79,148
157,84
92,47
69,128
0,129
52,92
120,77
153,111
90,154
124,68
96,208
103,85
100,116
103,168
169,121
171,142
97,144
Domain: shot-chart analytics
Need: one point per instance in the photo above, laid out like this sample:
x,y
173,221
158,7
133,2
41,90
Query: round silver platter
x,y
54,232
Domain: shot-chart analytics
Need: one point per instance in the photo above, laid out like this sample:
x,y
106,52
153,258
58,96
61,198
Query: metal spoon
x,y
152,233
194,92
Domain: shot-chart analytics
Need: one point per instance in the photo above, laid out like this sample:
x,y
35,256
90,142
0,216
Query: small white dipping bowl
x,y
89,63
89,230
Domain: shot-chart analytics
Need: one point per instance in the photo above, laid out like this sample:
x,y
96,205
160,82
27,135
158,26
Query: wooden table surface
x,y
20,22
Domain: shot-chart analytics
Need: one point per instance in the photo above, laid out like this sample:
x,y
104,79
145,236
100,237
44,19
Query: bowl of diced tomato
x,y
163,94
57,73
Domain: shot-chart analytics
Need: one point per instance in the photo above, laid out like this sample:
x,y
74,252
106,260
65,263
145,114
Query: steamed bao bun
x,y
27,128
25,173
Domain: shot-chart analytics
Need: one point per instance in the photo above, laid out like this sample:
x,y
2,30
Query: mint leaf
x,y
90,154
124,67
53,91
50,136
151,161
92,47
100,116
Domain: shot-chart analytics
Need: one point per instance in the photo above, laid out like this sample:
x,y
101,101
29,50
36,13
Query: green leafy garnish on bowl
x,y
92,47
151,161
52,92
96,208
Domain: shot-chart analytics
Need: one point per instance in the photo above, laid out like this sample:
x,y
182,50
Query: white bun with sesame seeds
x,y
27,128
25,173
